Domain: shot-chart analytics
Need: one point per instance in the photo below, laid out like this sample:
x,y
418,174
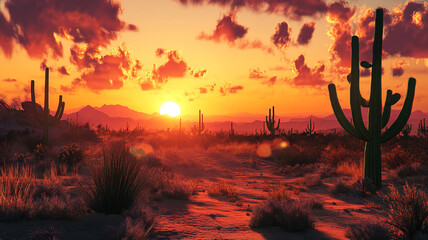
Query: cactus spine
x,y
47,120
270,123
201,123
377,120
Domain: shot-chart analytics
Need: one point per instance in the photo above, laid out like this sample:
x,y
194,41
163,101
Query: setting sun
x,y
170,108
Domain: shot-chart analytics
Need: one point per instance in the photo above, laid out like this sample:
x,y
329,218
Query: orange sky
x,y
206,46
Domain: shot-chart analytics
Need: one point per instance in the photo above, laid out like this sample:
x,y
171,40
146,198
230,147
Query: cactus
x,y
47,119
406,130
422,130
232,130
376,119
270,123
201,123
310,127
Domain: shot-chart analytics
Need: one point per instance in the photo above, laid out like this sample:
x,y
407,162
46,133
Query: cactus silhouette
x,y
232,130
376,119
422,130
201,123
47,119
270,123
310,127
406,130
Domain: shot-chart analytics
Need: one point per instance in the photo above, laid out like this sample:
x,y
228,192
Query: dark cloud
x,y
271,81
281,38
365,72
227,29
203,90
43,64
9,80
307,76
6,36
160,52
175,67
198,73
148,85
290,8
132,27
398,68
306,33
63,70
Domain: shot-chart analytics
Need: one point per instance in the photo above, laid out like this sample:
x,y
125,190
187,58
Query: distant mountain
x,y
117,117
121,111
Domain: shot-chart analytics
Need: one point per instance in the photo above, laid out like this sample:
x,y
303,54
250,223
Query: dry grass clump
x,y
315,204
407,210
179,188
72,155
340,187
410,170
367,231
16,193
118,182
296,170
335,155
57,207
365,186
221,188
350,168
396,157
294,155
279,193
286,214
138,225
312,181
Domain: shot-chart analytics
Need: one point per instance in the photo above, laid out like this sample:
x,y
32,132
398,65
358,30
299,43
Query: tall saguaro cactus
x,y
376,119
47,119
270,123
201,123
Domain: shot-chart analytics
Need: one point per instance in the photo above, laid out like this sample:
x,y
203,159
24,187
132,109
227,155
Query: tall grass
x,y
117,182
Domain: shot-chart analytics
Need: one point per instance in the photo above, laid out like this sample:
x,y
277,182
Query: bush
x,y
221,188
396,157
72,155
279,193
50,234
117,183
367,231
57,207
138,225
315,204
365,186
407,211
335,155
286,214
177,188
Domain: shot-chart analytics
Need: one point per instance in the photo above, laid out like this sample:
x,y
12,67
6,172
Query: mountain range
x,y
120,117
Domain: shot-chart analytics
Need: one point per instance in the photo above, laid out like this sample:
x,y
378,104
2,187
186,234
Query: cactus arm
x,y
62,111
355,90
58,110
33,95
364,102
340,116
404,115
277,127
390,100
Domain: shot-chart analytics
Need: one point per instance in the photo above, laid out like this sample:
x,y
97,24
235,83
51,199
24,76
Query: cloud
x,y
63,70
340,15
256,73
230,89
198,73
43,64
405,35
203,90
9,80
289,8
307,76
306,33
160,52
227,29
398,68
6,36
103,71
365,72
281,37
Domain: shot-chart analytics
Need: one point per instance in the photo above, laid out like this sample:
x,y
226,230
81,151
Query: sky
x,y
222,56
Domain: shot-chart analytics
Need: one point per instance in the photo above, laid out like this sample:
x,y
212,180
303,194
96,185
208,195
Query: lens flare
x,y
264,150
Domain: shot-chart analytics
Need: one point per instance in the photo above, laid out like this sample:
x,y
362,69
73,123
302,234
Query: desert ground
x,y
212,186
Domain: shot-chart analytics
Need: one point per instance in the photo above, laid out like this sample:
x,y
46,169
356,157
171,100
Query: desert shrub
x,y
315,204
286,214
48,188
340,187
407,210
413,169
49,234
5,153
335,155
40,152
279,193
292,155
16,193
396,157
117,182
367,231
57,207
296,170
72,155
353,169
138,225
179,189
326,171
221,188
312,181
365,187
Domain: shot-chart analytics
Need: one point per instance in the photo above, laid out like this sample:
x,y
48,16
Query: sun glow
x,y
170,108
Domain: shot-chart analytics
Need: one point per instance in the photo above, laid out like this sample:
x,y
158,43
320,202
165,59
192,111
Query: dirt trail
x,y
204,217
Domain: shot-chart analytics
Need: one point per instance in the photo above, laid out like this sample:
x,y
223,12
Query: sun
x,y
170,108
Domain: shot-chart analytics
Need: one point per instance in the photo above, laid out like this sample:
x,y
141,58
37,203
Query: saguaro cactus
x,y
270,123
201,123
407,130
422,130
376,119
232,130
310,128
47,119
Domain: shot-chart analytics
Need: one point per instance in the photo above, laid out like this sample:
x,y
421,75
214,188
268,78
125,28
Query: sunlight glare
x,y
170,108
